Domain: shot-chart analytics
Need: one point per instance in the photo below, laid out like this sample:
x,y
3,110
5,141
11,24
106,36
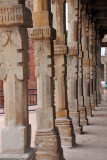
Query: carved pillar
x,y
72,65
81,108
15,137
91,64
105,71
86,62
105,66
94,63
63,122
98,68
47,140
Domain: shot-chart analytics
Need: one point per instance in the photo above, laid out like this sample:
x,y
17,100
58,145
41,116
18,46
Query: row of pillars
x,y
77,84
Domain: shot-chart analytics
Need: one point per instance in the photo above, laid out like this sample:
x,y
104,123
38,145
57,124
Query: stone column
x,y
94,63
16,136
98,68
47,139
105,66
72,64
63,121
86,62
105,72
91,64
81,107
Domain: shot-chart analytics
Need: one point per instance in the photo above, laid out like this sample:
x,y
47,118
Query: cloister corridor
x,y
92,144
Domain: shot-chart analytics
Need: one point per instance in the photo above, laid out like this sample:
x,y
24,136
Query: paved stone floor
x,y
92,145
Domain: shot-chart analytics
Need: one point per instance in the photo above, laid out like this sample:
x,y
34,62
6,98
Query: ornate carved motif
x,y
3,39
44,32
73,52
18,14
85,62
60,49
6,39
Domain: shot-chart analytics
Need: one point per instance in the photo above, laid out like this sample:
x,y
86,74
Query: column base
x,y
29,155
75,116
89,110
48,145
66,132
15,139
83,116
92,102
93,106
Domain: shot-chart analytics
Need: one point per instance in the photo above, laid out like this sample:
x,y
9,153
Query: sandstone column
x,y
94,63
63,122
15,137
81,107
86,62
91,64
105,66
47,140
72,64
98,68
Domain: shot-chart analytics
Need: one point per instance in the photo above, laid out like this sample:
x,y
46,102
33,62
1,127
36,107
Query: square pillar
x,y
16,135
81,107
86,63
72,65
63,122
47,140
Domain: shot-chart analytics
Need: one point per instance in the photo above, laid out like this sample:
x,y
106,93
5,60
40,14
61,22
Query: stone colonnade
x,y
77,84
105,67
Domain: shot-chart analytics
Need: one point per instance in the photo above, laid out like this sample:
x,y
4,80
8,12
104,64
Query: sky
x,y
102,51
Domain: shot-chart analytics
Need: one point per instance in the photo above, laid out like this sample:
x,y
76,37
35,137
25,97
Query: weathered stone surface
x,y
60,49
30,155
72,64
15,137
83,116
15,15
47,140
86,64
66,132
47,144
81,107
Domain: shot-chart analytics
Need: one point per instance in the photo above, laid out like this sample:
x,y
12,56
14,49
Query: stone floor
x,y
92,145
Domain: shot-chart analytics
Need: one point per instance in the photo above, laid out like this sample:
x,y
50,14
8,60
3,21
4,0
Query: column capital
x,y
60,49
42,32
15,15
61,1
73,52
86,61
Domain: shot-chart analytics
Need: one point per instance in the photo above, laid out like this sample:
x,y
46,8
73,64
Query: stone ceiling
x,y
98,10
